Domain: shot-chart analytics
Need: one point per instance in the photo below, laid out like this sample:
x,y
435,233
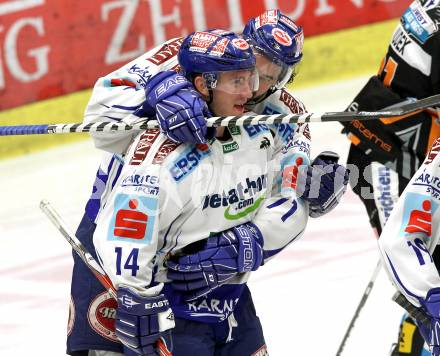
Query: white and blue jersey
x,y
412,232
119,96
106,177
170,196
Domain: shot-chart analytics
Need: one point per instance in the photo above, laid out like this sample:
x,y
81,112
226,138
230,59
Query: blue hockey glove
x,y
239,249
324,184
431,333
180,109
143,323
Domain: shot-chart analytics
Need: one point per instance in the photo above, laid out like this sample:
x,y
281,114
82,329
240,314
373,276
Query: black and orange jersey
x,y
411,66
410,69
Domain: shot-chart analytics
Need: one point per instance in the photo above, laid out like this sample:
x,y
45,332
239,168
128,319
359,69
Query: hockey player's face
x,y
232,91
268,72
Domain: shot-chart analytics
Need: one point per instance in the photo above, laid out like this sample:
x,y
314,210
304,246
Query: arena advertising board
x,y
54,47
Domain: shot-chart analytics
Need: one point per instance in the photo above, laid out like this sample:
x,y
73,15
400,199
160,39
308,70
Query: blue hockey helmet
x,y
211,52
278,38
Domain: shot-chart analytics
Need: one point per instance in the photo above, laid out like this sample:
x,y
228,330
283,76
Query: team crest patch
x,y
102,314
71,321
240,43
281,37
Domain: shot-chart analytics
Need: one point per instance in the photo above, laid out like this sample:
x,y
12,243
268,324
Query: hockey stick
x,y
78,247
87,258
104,126
360,306
413,311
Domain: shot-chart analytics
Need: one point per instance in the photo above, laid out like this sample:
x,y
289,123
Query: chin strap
x,y
211,98
259,99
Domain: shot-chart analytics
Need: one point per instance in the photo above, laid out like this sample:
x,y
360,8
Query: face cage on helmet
x,y
288,75
232,86
288,72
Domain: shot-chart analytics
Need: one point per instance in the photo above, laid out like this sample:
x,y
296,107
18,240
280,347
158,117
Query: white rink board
x,y
305,297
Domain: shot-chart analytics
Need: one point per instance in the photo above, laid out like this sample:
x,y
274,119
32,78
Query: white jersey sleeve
x,y
127,237
283,216
119,96
412,232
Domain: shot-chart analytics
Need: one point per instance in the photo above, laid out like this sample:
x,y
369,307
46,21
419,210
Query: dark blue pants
x,y
92,318
191,338
92,310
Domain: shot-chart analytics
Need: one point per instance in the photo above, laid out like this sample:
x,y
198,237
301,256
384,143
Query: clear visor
x,y
233,82
274,73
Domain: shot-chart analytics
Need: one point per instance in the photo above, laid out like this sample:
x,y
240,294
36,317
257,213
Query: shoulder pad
x,y
164,53
433,152
142,151
420,23
295,106
303,128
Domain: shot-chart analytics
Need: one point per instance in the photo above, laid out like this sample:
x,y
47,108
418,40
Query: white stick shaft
x,y
399,110
79,248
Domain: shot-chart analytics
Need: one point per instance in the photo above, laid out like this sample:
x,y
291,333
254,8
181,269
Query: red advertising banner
x,y
54,47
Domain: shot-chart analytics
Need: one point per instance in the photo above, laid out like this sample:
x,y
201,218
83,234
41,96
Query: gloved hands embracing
x,y
179,108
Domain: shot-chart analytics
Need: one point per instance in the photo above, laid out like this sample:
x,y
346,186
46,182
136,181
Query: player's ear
x,y
200,85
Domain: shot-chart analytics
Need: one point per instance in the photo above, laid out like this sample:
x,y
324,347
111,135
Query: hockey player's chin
x,y
238,109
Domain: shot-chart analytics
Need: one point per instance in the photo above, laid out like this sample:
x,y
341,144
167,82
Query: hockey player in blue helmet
x,y
227,65
277,43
